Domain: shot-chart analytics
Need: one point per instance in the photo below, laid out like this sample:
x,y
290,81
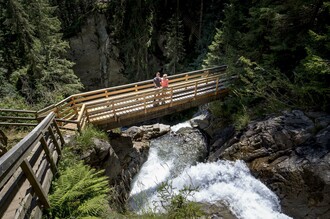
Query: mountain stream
x,y
177,158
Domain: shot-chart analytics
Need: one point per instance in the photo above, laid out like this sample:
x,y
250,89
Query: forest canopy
x,y
279,49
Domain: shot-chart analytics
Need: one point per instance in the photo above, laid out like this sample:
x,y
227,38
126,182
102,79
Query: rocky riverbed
x,y
288,152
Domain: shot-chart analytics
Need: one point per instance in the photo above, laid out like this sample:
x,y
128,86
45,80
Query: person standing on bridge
x,y
164,83
157,84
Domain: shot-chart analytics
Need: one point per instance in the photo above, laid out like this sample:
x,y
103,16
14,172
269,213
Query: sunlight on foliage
x,y
85,139
79,192
177,205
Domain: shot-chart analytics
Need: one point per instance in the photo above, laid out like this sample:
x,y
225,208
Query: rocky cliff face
x,y
96,57
123,157
290,154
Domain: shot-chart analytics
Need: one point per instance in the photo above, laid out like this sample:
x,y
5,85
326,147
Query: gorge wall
x,y
290,153
96,58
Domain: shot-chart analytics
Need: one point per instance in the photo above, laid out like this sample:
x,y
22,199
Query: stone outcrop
x,y
124,154
290,154
96,58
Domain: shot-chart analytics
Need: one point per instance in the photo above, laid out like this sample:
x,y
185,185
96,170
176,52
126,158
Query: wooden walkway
x,y
27,169
129,104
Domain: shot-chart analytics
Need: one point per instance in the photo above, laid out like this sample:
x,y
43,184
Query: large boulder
x,y
290,154
131,147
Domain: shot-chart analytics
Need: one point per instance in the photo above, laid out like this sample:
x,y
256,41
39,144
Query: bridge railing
x,y
71,110
26,170
144,101
18,117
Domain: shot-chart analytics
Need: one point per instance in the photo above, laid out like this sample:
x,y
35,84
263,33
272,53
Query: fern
x,y
93,206
80,192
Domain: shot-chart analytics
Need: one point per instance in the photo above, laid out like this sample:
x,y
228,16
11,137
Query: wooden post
x,y
59,132
195,90
49,156
58,115
74,106
79,127
87,116
114,111
217,86
145,103
57,146
3,138
171,97
27,169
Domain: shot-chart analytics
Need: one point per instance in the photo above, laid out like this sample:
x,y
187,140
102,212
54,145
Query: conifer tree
x,y
34,53
216,54
174,44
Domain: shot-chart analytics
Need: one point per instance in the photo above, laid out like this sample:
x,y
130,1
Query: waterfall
x,y
176,159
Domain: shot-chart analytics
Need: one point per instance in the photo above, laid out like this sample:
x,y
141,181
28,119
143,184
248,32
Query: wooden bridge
x,y
27,169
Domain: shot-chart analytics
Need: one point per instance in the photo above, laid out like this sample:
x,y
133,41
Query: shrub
x,y
85,139
178,205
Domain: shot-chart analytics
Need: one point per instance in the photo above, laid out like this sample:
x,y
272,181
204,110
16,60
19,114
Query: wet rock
x,y
131,148
202,121
290,154
146,132
97,152
216,211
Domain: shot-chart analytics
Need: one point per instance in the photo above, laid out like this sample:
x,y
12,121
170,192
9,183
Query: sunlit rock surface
x,y
290,153
96,58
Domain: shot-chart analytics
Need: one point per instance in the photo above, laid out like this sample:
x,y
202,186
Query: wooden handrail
x,y
75,108
35,157
18,111
20,156
15,117
122,103
120,97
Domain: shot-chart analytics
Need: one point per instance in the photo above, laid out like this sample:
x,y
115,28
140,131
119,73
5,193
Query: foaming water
x,y
153,172
231,183
222,181
176,127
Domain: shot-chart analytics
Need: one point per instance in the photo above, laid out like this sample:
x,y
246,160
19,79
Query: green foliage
x,y
177,205
33,53
174,39
13,102
312,76
241,120
280,53
74,13
216,55
79,192
132,24
84,140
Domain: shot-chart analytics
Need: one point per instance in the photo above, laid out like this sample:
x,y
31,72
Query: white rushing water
x,y
225,181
